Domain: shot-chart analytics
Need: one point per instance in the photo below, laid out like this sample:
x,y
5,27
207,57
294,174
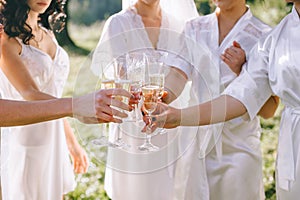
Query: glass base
x,y
103,142
161,131
148,147
120,144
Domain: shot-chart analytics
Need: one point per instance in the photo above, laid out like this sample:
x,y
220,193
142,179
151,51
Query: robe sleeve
x,y
252,86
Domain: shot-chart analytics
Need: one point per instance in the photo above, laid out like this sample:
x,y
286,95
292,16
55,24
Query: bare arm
x,y
77,153
218,110
90,108
14,113
235,57
17,73
269,108
174,84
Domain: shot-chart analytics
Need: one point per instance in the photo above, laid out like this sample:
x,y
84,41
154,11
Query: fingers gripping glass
x,y
152,91
114,76
157,73
150,97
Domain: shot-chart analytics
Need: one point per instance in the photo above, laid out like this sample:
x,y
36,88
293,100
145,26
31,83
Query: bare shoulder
x,y
10,44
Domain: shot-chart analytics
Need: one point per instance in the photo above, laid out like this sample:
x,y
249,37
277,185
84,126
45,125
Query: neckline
x,y
247,15
46,54
38,49
295,15
139,20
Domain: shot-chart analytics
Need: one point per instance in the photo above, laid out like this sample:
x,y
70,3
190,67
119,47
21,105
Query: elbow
x,y
269,109
267,115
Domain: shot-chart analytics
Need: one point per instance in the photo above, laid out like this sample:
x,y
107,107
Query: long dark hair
x,y
14,14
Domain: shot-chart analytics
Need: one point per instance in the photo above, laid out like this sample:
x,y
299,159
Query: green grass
x,y
90,185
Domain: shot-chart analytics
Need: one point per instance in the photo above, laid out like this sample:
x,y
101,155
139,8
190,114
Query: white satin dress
x,y
34,159
235,159
274,69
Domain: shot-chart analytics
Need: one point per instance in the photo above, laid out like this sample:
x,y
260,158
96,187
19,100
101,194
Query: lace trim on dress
x,y
139,24
252,30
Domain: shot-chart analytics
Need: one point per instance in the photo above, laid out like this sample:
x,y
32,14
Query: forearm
x,y
70,137
14,113
174,84
35,95
218,110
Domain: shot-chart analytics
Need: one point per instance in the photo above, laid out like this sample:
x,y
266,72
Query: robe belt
x,y
285,155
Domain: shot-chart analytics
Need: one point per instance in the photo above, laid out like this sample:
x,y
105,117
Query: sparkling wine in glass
x,y
156,74
159,80
121,81
105,82
123,84
150,96
136,63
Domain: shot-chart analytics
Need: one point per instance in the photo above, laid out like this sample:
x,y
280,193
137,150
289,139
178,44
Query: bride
x,y
144,25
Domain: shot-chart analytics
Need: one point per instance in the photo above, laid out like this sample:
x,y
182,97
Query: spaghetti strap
x,y
50,33
19,40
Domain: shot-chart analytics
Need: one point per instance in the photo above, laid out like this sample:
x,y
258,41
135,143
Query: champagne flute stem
x,y
149,130
119,134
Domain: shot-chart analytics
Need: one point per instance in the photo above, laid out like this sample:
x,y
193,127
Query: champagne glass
x,y
106,81
156,74
112,72
121,81
136,63
150,97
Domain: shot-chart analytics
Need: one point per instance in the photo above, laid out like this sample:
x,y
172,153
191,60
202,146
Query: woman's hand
x,y
77,153
97,107
79,158
234,57
164,116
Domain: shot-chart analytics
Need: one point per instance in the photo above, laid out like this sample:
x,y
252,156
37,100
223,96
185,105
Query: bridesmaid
x,y
272,69
34,112
229,33
148,26
35,161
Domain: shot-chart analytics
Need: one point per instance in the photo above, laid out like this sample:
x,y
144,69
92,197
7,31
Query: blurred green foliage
x,y
89,11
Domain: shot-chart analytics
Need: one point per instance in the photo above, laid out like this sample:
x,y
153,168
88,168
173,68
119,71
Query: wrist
x,y
177,113
189,116
68,106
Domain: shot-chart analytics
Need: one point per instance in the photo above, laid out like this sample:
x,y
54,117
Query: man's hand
x,y
101,106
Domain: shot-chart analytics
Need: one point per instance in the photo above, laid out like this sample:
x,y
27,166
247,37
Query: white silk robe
x,y
131,174
236,157
274,69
